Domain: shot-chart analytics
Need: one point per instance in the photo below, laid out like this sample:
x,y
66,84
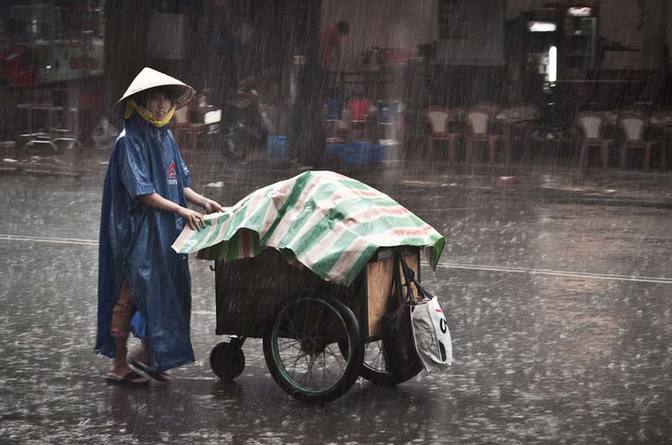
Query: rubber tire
x,y
227,361
390,377
353,363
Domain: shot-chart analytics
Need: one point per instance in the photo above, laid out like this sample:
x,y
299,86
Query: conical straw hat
x,y
150,78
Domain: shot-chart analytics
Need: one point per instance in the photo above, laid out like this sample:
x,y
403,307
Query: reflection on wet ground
x,y
540,357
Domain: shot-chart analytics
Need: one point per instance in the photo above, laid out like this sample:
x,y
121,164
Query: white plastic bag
x,y
431,335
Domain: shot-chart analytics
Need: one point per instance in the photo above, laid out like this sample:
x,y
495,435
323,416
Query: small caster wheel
x,y
227,361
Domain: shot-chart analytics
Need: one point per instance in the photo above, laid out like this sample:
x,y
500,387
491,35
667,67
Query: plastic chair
x,y
480,120
358,111
439,119
201,120
632,124
661,120
591,124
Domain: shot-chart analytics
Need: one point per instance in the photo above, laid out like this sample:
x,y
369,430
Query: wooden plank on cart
x,y
379,286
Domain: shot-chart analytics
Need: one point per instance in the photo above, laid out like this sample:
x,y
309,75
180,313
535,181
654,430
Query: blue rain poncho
x,y
135,244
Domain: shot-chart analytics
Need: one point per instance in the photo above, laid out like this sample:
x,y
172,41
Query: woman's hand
x,y
206,204
193,218
211,206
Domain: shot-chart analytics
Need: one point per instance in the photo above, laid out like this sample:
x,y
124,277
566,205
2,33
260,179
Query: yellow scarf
x,y
131,106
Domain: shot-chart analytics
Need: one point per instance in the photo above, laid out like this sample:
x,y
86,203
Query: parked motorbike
x,y
244,126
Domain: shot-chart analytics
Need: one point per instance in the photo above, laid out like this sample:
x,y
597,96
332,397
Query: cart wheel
x,y
303,349
375,369
227,361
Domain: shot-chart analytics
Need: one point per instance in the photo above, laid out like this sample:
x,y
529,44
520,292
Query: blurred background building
x,y
64,63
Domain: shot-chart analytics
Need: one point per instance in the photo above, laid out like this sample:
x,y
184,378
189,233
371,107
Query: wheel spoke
x,y
379,359
324,365
296,361
303,377
373,356
309,369
337,358
288,345
311,362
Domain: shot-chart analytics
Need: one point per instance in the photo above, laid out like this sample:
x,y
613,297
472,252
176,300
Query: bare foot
x,y
119,370
127,376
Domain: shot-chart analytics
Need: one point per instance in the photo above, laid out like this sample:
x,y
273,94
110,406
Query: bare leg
x,y
120,363
122,312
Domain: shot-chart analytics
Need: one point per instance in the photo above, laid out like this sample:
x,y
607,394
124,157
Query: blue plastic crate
x,y
336,151
362,153
276,145
334,107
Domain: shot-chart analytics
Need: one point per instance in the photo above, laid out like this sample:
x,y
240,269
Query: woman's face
x,y
158,104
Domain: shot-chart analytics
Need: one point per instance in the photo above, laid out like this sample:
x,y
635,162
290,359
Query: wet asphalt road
x,y
556,288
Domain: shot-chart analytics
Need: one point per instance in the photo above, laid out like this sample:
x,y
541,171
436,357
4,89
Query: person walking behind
x,y
143,285
329,51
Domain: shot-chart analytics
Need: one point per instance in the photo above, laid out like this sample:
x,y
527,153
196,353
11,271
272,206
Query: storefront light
x,y
541,26
579,11
552,64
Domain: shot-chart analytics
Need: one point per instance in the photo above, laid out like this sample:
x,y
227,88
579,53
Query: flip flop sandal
x,y
130,378
156,375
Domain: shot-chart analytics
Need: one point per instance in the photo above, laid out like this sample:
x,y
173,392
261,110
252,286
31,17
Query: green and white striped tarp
x,y
328,222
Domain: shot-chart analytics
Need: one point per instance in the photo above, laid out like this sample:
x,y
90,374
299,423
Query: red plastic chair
x,y
359,111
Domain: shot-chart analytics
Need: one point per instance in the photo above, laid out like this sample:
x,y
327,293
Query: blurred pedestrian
x,y
143,285
330,45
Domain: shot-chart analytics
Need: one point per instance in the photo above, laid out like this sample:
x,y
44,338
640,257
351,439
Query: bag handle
x,y
396,282
396,288
409,277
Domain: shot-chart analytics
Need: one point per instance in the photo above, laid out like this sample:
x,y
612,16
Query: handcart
x,y
321,320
